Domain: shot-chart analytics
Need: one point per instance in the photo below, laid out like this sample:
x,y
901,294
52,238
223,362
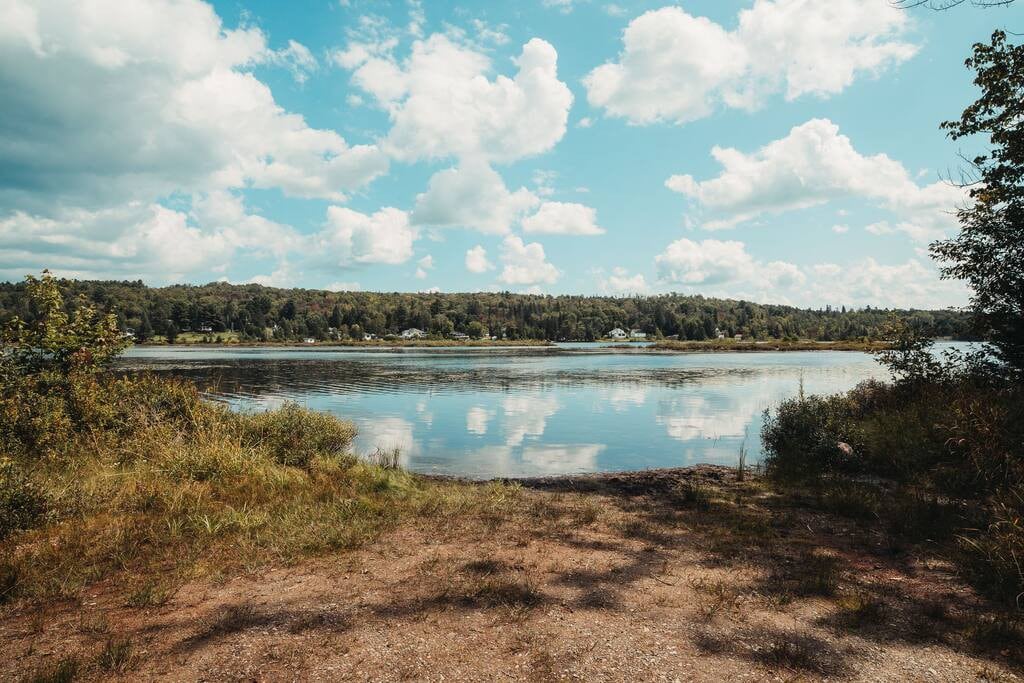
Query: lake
x,y
524,411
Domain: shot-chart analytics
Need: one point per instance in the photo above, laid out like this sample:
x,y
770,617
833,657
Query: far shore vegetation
x,y
225,313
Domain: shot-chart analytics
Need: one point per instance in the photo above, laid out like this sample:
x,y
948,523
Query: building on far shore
x,y
413,333
459,336
617,333
637,334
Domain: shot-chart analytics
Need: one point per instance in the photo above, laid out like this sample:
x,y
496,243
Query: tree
x,y
145,330
56,341
475,330
171,332
988,252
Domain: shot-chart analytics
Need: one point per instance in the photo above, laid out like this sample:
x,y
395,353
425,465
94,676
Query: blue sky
x,y
780,150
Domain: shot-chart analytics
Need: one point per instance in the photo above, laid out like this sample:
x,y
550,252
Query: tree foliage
x,y
53,339
258,313
988,252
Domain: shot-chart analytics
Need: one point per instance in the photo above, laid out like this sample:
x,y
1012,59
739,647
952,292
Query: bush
x,y
293,435
21,501
801,440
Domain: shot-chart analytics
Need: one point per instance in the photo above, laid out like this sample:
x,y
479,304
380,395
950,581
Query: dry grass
x,y
185,489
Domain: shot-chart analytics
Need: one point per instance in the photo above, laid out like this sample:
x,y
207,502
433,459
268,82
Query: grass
x,y
117,655
65,670
161,483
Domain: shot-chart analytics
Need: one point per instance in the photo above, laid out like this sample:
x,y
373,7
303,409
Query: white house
x,y
637,334
617,333
310,340
413,333
460,336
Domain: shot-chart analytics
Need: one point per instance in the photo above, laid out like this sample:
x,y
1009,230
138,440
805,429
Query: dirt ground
x,y
669,575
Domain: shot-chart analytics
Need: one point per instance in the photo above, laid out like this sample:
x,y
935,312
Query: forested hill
x,y
258,313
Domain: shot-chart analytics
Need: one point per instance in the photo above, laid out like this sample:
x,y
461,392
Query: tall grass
x,y
167,484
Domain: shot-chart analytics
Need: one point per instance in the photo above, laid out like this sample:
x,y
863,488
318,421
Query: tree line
x,y
257,313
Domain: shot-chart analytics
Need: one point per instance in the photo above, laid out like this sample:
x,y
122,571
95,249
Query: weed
x,y
860,610
117,655
63,671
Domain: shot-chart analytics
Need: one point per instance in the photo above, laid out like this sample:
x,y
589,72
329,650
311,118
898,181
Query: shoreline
x,y
658,348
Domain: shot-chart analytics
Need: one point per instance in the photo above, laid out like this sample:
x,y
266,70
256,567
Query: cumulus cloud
x,y
812,165
442,103
123,102
123,241
113,107
476,260
563,218
350,237
709,262
726,269
621,282
525,264
471,195
677,67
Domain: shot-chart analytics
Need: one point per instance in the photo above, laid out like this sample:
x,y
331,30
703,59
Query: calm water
x,y
515,412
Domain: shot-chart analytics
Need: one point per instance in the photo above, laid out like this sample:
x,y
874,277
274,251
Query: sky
x,y
782,151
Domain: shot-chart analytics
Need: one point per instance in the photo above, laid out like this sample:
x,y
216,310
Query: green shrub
x,y
293,435
801,439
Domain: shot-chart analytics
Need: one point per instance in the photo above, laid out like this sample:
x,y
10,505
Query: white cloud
x,y
563,218
912,284
344,287
350,237
840,229
812,165
709,262
138,237
476,260
443,105
563,6
471,195
726,269
678,67
621,282
585,122
423,265
543,182
525,264
128,102
297,59
119,106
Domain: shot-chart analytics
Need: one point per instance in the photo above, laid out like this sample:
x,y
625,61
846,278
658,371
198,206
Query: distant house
x,y
738,337
460,336
637,334
719,334
310,340
205,328
369,337
617,333
413,333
